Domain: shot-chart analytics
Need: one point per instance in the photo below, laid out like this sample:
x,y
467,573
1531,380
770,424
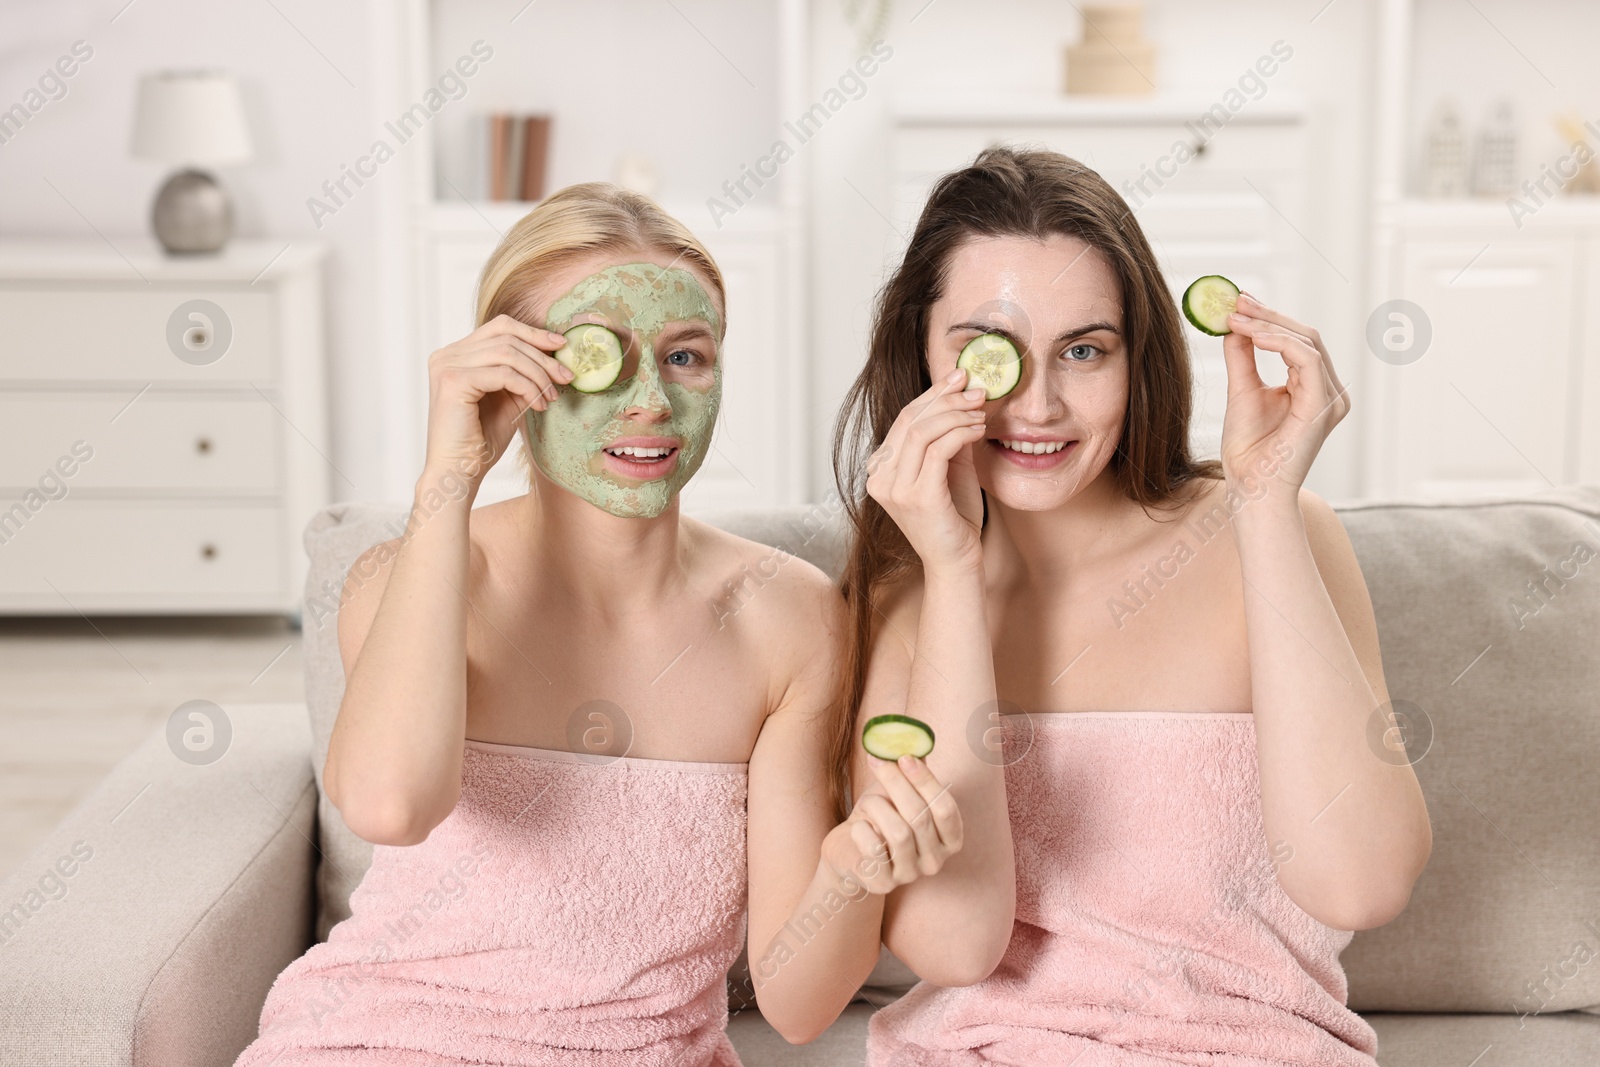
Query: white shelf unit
x,y
134,480
1224,211
759,455
1506,398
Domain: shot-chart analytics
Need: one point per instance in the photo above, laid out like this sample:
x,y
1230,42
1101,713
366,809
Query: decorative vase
x,y
192,214
1444,169
1494,163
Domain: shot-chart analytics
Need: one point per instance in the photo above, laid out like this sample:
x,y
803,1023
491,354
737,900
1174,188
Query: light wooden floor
x,y
75,701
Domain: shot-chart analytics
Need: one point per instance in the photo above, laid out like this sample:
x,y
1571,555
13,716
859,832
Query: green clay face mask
x,y
639,301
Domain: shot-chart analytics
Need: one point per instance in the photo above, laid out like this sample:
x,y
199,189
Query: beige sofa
x,y
191,887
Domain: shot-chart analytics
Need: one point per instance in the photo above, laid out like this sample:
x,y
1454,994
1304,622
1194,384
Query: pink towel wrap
x,y
1150,927
568,911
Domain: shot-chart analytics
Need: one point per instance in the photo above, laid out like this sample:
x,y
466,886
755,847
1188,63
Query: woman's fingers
x,y
915,810
956,412
1311,395
927,806
904,827
896,833
1253,307
1250,307
511,340
937,800
480,385
951,386
506,325
872,870
477,382
1239,358
538,365
553,367
933,482
933,441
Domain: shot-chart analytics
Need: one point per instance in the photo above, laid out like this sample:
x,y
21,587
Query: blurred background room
x,y
231,234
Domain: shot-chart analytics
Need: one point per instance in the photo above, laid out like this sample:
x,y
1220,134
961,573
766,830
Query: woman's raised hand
x,y
1279,429
479,386
902,828
923,474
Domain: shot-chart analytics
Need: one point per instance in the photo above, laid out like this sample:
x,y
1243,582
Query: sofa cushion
x,y
841,1045
1566,1039
333,539
1506,915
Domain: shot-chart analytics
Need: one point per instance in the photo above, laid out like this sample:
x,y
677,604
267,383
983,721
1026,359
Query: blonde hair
x,y
570,224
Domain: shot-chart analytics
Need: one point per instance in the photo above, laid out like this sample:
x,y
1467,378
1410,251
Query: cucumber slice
x,y
594,356
892,736
1208,302
993,362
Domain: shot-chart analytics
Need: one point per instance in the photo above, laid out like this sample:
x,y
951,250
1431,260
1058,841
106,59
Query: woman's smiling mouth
x,y
642,457
1032,453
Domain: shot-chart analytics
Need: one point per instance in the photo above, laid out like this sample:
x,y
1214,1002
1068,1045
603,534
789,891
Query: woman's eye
x,y
1090,352
690,357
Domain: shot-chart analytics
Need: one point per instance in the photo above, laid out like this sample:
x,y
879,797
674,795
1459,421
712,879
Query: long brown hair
x,y
1006,192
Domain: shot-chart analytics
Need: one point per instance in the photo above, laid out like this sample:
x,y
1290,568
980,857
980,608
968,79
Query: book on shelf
x,y
519,155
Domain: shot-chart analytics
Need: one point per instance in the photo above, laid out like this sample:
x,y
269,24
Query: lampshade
x,y
192,117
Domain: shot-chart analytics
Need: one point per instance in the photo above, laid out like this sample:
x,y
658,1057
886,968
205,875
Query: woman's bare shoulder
x,y
495,530
783,611
768,582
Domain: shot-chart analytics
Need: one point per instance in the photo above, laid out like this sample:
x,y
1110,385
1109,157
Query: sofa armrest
x,y
149,925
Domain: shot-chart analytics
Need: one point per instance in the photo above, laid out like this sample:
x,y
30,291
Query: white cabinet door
x,y
1484,409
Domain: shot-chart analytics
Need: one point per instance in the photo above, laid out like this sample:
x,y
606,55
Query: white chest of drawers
x,y
163,431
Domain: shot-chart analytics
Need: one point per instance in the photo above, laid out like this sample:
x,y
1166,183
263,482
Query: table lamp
x,y
194,119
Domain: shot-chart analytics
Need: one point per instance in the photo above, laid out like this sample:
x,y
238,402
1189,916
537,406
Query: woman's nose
x,y
1032,399
646,395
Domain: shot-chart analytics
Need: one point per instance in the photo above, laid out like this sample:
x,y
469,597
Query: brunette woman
x,y
1153,678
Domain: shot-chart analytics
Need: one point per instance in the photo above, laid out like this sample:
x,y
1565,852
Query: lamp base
x,y
192,214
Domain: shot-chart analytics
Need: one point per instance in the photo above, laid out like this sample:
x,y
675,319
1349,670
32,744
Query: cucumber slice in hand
x,y
1208,302
993,362
594,356
892,736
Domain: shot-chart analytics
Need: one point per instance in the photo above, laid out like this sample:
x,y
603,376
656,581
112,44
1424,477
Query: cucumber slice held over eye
x,y
594,356
1208,302
892,736
993,362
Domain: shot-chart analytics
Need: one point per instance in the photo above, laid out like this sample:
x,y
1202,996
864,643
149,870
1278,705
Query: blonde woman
x,y
552,724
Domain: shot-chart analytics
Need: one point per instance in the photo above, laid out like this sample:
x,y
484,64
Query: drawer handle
x,y
1199,148
202,445
208,551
